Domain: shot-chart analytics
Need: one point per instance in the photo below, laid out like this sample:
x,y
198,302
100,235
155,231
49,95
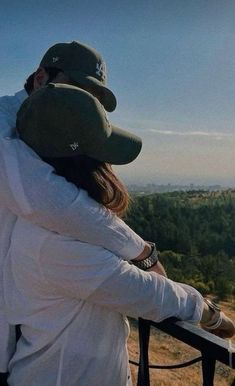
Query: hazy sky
x,y
171,65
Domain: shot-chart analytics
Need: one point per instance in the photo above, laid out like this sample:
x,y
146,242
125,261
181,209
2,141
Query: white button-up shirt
x,y
30,189
70,299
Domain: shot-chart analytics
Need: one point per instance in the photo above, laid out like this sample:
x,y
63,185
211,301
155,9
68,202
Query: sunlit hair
x,y
97,178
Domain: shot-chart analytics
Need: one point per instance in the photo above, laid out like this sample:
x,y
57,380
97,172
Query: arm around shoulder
x,y
31,189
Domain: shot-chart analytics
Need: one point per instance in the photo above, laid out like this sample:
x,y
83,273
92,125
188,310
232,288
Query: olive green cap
x,y
61,120
84,66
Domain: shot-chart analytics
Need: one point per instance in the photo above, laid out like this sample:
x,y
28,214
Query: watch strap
x,y
149,261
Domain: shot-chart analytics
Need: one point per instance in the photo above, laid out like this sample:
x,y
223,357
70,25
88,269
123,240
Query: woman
x,y
71,297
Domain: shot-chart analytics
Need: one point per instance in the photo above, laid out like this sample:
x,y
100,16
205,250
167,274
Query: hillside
x,y
195,233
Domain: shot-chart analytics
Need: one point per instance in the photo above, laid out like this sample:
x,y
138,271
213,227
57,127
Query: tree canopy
x,y
195,233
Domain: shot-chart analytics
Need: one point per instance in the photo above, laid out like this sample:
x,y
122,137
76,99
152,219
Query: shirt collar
x,y
21,95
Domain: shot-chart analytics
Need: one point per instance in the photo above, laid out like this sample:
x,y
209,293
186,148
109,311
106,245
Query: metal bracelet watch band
x,y
149,261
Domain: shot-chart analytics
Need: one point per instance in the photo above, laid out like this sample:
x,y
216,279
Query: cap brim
x,y
105,96
120,148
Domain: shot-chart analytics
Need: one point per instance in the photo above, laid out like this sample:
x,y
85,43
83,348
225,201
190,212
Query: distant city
x,y
152,188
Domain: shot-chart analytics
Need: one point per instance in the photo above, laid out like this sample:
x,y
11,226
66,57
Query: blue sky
x,y
170,63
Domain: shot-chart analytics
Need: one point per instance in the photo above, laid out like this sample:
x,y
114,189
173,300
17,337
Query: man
x,y
30,189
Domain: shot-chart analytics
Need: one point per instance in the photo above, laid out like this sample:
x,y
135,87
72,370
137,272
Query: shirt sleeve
x,y
31,189
91,273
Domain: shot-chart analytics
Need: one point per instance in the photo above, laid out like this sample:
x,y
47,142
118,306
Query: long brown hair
x,y
97,178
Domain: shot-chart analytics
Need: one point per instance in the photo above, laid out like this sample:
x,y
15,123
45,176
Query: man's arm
x,y
30,189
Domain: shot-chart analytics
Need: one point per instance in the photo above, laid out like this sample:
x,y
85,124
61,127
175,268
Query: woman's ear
x,y
40,78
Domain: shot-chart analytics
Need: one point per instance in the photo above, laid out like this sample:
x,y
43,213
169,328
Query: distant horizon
x,y
173,184
144,180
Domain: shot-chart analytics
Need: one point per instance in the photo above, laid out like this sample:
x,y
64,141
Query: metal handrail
x,y
212,349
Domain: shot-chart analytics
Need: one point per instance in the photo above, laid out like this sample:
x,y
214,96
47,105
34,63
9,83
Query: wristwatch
x,y
149,261
216,320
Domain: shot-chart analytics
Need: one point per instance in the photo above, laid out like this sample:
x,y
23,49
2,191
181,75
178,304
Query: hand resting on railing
x,y
215,321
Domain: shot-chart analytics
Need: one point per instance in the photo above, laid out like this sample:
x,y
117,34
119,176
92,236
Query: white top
x,y
70,298
29,188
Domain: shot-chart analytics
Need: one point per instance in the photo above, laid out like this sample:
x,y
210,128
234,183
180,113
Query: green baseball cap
x,y
61,120
84,66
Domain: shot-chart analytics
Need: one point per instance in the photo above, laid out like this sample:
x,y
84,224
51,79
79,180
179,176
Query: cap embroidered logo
x,y
55,59
74,146
101,70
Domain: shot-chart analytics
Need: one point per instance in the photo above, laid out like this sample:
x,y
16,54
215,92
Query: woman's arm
x,y
83,271
88,272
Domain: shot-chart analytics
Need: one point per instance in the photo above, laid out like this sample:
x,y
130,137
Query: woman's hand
x,y
226,328
216,322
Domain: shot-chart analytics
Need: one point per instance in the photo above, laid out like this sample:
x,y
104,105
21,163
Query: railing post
x,y
208,370
143,373
212,349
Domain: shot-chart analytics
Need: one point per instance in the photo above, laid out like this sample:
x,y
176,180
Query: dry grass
x,y
167,350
